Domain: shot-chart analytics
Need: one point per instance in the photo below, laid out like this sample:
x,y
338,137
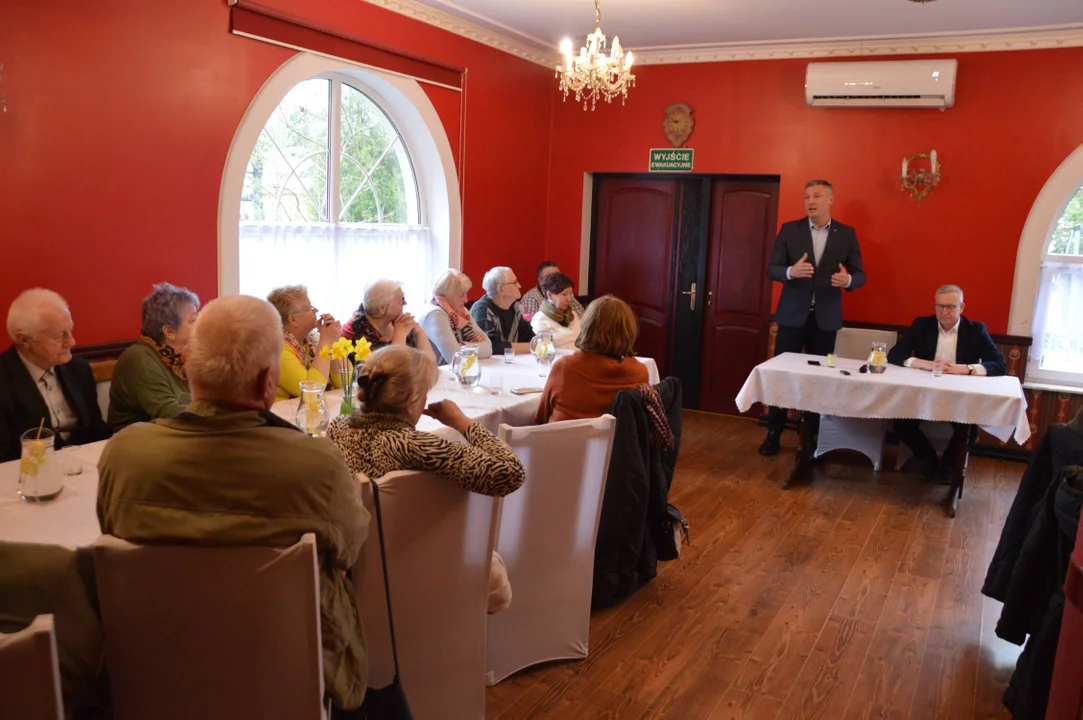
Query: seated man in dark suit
x,y
953,345
39,378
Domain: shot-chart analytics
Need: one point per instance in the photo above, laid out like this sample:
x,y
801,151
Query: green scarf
x,y
564,317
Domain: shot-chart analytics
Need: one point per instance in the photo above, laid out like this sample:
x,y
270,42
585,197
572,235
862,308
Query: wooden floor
x,y
851,597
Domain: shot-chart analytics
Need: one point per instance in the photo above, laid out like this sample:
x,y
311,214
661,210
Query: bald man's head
x,y
235,350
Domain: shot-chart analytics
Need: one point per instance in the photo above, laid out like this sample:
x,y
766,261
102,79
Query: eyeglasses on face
x,y
946,308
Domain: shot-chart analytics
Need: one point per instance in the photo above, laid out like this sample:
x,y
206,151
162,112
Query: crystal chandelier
x,y
592,74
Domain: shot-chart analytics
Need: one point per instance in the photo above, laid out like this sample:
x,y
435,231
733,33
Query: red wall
x,y
1017,116
121,113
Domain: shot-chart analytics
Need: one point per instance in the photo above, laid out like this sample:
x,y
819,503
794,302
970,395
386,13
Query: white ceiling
x,y
662,26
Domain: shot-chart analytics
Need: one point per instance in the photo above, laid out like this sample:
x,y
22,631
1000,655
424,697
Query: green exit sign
x,y
671,160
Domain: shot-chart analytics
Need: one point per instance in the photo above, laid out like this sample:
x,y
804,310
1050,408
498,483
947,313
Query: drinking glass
x,y
312,410
70,464
509,356
39,472
938,368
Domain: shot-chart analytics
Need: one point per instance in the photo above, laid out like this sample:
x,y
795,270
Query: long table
x,y
996,404
71,520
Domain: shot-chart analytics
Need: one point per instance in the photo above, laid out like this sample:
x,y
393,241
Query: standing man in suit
x,y
815,259
958,346
39,378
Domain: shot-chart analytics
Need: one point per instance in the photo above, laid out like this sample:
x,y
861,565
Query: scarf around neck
x,y
564,317
460,322
662,437
169,357
304,351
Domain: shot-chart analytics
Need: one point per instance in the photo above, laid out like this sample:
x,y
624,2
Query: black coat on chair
x,y
636,493
22,407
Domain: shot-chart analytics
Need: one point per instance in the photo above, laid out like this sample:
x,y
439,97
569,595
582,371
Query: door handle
x,y
692,292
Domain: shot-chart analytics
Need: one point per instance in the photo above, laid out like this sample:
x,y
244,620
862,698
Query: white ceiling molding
x,y
1033,38
1058,36
454,24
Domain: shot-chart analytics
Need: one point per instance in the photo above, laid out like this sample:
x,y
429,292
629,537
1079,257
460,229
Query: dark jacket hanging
x,y
636,492
1034,604
1058,448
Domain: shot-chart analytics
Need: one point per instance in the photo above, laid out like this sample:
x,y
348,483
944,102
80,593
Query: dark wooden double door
x,y
690,256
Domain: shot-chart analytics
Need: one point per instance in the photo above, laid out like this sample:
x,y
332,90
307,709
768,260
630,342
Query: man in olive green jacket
x,y
227,471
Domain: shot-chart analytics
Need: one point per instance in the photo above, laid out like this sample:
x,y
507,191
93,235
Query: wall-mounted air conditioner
x,y
902,83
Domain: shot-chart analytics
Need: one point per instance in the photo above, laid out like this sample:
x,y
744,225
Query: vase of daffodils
x,y
348,358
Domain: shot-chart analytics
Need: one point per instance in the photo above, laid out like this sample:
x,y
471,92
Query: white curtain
x,y
336,261
1059,317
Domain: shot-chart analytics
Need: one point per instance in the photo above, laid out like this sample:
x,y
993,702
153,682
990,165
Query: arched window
x,y
1056,355
331,200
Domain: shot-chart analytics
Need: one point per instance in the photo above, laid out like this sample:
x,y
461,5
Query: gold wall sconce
x,y
920,180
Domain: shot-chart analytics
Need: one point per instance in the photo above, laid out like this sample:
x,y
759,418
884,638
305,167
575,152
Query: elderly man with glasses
x,y
951,344
498,313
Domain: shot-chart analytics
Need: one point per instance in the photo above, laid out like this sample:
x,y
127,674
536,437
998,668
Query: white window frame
x,y
413,115
1026,317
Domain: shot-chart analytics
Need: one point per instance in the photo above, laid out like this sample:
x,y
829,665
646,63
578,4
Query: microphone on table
x,y
863,368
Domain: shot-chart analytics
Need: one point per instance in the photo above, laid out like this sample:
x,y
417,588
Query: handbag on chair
x,y
386,703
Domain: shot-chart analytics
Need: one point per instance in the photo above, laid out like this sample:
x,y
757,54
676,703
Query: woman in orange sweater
x,y
583,385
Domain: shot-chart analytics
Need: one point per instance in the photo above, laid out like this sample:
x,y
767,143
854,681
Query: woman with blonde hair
x,y
449,324
382,319
300,355
392,388
583,384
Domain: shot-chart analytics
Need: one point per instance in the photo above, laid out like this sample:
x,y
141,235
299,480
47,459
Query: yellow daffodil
x,y
468,362
325,352
362,350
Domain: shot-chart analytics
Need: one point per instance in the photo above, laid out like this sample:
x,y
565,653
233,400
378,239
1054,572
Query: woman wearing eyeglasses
x,y
300,355
382,320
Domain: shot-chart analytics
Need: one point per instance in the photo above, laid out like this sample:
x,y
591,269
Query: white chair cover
x,y
863,435
211,632
29,673
439,548
545,533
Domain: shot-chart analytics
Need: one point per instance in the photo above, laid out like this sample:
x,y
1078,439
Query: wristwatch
x,y
969,369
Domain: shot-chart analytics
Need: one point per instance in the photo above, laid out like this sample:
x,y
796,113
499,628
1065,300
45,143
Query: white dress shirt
x,y
819,242
61,416
946,343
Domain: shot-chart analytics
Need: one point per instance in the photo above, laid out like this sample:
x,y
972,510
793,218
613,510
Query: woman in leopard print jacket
x,y
383,438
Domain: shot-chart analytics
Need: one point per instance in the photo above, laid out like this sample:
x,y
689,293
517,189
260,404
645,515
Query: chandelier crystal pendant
x,y
592,74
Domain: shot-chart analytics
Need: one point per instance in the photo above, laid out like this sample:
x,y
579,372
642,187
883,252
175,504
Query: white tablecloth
x,y
491,403
72,520
996,404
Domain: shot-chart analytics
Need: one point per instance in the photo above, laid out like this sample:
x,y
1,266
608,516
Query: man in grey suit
x,y
815,259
